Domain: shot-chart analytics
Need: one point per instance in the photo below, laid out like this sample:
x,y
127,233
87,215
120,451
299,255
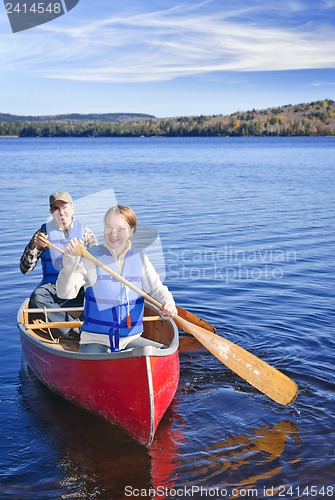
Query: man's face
x,y
62,213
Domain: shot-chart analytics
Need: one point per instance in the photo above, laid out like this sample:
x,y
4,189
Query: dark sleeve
x,y
30,256
90,239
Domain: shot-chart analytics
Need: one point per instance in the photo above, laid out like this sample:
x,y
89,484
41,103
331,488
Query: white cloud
x,y
184,40
319,83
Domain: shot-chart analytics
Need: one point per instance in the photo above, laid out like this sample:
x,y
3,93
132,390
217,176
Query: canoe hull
x,y
132,391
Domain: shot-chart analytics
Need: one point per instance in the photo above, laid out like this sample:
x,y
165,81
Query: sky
x,y
170,57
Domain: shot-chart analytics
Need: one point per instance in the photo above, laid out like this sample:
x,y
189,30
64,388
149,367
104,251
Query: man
x,y
59,230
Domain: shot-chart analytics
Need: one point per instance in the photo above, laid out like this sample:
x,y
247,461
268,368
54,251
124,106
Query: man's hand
x,y
40,240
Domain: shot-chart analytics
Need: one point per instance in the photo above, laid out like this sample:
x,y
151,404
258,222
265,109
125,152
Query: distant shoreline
x,y
167,136
314,119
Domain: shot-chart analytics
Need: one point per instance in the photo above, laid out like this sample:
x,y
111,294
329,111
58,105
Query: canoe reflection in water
x,y
245,461
91,458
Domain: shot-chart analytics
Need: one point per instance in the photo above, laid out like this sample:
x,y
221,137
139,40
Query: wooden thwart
x,y
73,324
45,309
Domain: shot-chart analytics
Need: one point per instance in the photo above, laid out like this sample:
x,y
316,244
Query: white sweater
x,y
78,272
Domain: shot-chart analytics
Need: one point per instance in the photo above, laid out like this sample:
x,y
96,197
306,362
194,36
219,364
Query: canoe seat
x,y
143,342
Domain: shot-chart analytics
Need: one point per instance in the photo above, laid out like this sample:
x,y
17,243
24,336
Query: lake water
x,y
247,230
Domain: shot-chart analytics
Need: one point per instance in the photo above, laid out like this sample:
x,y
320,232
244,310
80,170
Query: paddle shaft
x,y
87,255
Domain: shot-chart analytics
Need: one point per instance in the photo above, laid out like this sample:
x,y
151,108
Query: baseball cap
x,y
60,196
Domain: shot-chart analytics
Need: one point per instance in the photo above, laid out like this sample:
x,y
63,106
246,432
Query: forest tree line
x,y
309,119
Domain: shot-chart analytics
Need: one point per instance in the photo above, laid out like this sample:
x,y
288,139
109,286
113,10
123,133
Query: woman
x,y
113,313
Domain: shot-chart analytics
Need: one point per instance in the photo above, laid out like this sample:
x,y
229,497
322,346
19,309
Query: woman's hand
x,y
72,246
169,309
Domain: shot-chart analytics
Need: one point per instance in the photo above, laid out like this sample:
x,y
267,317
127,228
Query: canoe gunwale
x,y
130,352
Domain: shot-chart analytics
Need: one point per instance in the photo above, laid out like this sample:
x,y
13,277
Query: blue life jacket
x,y
51,259
112,308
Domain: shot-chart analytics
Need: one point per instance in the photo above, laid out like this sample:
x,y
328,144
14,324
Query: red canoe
x,y
131,388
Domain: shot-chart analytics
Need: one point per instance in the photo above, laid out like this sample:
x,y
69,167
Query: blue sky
x,y
170,58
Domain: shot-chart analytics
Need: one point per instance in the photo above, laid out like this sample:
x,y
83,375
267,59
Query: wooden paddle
x,y
256,372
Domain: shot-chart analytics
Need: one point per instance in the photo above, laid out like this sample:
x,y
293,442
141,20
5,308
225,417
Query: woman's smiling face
x,y
117,232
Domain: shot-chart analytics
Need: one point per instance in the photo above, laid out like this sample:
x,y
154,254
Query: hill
x,y
308,119
76,117
314,118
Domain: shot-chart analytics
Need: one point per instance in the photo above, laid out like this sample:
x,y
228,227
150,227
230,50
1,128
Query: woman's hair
x,y
127,213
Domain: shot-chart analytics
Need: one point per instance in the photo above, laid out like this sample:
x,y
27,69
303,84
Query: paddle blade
x,y
192,318
188,343
255,371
